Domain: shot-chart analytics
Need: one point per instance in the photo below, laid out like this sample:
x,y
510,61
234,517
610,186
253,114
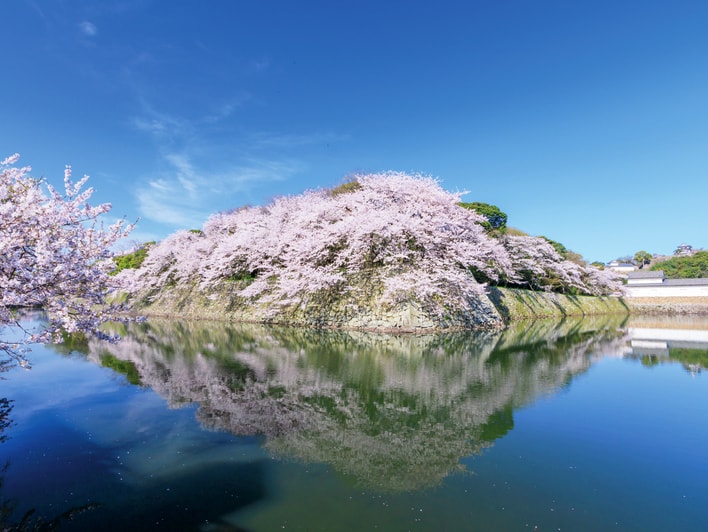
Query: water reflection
x,y
388,412
29,520
660,339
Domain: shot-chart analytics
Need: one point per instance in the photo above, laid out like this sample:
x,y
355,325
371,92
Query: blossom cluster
x,y
404,230
537,265
54,254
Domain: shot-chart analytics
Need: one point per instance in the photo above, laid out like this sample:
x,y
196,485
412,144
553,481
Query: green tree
x,y
496,218
642,257
567,254
688,267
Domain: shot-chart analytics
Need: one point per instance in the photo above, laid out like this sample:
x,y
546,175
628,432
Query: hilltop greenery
x,y
495,218
132,259
688,267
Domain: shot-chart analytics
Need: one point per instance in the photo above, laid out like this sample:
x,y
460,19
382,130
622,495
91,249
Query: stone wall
x,y
668,305
515,304
673,296
366,312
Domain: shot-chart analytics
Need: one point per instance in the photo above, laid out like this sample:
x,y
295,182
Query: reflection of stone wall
x,y
393,412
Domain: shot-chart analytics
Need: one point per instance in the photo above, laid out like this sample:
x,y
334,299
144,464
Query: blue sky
x,y
584,121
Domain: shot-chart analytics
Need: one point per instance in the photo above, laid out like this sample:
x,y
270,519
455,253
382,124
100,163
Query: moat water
x,y
593,424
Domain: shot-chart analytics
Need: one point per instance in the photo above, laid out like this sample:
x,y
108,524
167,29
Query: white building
x,y
645,277
653,284
621,267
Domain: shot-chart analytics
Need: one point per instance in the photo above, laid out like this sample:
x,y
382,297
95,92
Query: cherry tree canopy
x,y
403,230
55,255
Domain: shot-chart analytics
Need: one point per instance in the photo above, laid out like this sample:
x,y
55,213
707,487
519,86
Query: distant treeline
x,y
687,267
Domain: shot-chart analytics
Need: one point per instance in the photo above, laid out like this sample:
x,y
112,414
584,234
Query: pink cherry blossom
x,y
402,231
55,255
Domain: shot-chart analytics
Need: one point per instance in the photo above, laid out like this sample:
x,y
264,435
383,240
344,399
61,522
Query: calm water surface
x,y
573,425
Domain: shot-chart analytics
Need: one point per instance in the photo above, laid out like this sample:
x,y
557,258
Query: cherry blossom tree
x,y
54,255
538,265
401,231
404,231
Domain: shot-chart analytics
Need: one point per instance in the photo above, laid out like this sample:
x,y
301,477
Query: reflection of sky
x,y
86,434
54,380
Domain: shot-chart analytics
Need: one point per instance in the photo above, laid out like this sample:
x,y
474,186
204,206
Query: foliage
x,y
404,230
560,248
538,264
642,257
688,267
133,259
495,218
54,254
567,254
346,188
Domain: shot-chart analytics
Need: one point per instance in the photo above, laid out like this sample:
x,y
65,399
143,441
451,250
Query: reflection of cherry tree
x,y
392,412
54,254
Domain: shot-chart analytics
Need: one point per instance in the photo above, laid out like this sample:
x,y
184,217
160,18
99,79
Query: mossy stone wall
x,y
501,306
515,304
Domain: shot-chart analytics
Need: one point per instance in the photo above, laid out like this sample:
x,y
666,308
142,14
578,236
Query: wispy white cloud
x,y
262,140
227,108
207,164
260,64
89,29
184,196
37,9
150,125
163,206
161,126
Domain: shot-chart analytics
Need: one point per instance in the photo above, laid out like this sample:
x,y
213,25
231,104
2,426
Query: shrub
x,y
133,259
495,219
689,267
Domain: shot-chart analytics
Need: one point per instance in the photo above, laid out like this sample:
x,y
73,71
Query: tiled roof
x,y
646,274
686,282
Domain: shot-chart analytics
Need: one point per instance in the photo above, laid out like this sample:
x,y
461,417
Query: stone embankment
x,y
514,304
668,305
492,311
